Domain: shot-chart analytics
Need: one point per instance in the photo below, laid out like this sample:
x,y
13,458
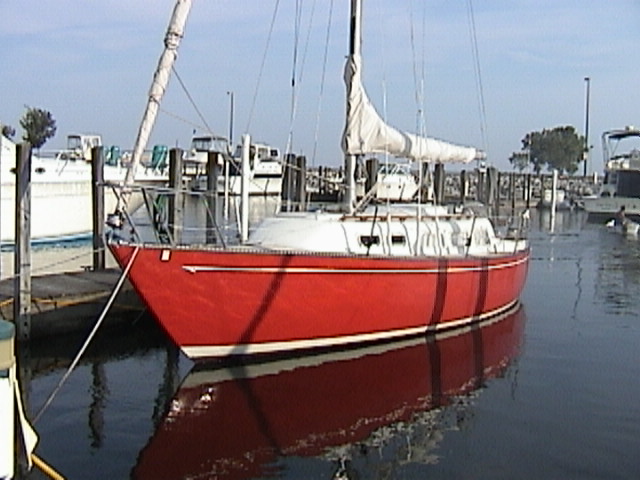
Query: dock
x,y
63,303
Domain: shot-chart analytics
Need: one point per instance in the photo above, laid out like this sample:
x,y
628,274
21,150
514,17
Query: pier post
x,y
301,183
490,192
423,187
22,262
287,181
480,185
97,202
496,177
244,188
513,192
438,183
463,186
349,185
226,160
372,166
175,200
213,171
321,182
554,186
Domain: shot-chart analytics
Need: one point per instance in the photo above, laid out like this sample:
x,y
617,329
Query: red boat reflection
x,y
236,421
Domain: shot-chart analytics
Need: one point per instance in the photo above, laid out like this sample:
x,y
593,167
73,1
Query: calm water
x,y
547,392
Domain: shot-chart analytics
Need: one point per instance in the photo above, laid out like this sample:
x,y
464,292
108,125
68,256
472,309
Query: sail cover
x,y
365,132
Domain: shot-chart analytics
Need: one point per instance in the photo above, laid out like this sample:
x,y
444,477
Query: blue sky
x,y
90,63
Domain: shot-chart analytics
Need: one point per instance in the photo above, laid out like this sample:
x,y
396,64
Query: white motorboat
x,y
621,184
61,207
265,176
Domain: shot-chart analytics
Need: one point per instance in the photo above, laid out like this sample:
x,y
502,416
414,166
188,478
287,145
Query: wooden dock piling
x,y
98,209
288,181
175,199
438,183
213,171
301,183
22,263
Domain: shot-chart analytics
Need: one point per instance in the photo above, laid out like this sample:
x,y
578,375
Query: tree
x,y
39,126
8,131
519,160
560,148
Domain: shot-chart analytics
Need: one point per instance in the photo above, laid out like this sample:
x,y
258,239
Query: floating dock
x,y
71,302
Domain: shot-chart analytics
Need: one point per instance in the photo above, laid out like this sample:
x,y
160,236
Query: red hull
x,y
215,302
236,422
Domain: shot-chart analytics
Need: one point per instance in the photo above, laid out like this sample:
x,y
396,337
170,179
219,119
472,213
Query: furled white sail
x,y
175,32
365,132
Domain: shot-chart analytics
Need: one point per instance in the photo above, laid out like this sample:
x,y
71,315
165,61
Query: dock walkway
x,y
71,302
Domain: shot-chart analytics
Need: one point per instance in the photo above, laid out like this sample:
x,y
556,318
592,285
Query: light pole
x,y
586,127
230,118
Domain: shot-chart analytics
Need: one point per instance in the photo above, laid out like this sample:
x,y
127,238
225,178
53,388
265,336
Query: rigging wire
x,y
184,120
193,103
322,83
262,63
418,85
417,81
295,84
478,75
294,65
383,43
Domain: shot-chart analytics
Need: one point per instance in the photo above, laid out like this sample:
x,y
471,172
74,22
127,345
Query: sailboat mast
x,y
174,34
355,39
355,45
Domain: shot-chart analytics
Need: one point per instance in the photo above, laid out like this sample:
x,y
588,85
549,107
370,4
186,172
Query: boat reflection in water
x,y
238,421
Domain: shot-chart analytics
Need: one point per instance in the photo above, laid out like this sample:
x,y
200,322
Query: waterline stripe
x,y
210,351
203,268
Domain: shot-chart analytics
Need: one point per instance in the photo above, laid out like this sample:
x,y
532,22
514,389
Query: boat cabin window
x,y
398,240
610,178
628,184
369,240
210,144
262,153
73,142
202,144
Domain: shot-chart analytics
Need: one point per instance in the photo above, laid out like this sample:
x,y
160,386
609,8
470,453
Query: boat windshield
x,y
73,142
210,144
395,169
628,183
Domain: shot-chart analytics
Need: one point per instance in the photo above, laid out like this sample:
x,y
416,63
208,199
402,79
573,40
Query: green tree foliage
x,y
8,131
519,160
39,126
560,148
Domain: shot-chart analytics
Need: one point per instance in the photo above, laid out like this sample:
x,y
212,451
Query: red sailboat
x,y
305,280
238,421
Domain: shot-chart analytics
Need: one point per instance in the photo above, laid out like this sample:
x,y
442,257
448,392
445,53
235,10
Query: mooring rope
x,y
102,316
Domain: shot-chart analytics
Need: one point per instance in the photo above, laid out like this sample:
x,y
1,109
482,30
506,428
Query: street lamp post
x,y
230,117
586,128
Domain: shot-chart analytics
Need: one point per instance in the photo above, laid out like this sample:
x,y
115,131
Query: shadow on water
x,y
357,413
